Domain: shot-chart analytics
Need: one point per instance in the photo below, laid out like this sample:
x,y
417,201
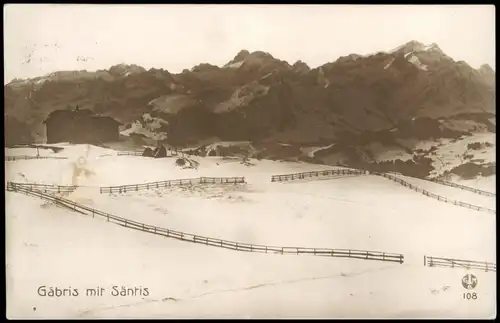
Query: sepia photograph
x,y
250,161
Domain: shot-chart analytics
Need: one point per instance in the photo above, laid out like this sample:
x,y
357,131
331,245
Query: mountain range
x,y
413,93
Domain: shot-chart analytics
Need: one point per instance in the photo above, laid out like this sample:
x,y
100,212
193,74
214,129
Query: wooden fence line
x,y
129,153
459,263
435,196
463,187
329,172
171,153
46,187
169,183
189,237
25,157
276,178
135,187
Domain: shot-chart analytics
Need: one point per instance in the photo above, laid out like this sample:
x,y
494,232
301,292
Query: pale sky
x,y
177,37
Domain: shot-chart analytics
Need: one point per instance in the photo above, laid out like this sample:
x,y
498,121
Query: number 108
x,y
470,296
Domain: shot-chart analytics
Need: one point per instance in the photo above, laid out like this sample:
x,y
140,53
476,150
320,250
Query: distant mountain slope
x,y
415,91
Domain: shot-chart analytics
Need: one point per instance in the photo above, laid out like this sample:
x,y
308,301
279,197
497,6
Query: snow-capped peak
x,y
415,46
410,46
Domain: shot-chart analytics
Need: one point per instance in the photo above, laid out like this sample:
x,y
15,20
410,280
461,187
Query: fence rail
x,y
189,237
463,187
329,172
25,157
459,263
129,153
45,187
170,183
170,153
435,196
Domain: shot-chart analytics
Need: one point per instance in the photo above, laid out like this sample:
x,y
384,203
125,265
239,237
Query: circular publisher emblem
x,y
469,281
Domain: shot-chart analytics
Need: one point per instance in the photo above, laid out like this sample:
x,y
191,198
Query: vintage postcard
x,y
250,161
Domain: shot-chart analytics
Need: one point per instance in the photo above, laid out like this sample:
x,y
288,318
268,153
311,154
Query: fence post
x,y
266,249
425,261
236,245
400,259
136,188
282,251
486,266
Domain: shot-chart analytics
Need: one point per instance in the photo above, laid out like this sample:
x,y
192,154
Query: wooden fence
x,y
463,187
170,183
24,157
189,237
129,153
44,187
458,263
171,153
329,172
435,196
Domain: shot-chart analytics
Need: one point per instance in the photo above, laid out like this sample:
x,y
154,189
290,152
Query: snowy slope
x,y
482,183
452,192
187,280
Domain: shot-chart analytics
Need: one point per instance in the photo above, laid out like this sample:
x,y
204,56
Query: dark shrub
x,y
474,146
160,152
148,152
471,170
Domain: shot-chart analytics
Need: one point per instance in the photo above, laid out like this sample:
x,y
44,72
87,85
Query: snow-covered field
x,y
453,193
50,246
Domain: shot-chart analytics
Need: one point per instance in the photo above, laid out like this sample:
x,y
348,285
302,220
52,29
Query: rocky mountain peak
x,y
240,57
242,54
259,97
300,67
125,69
416,46
486,69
